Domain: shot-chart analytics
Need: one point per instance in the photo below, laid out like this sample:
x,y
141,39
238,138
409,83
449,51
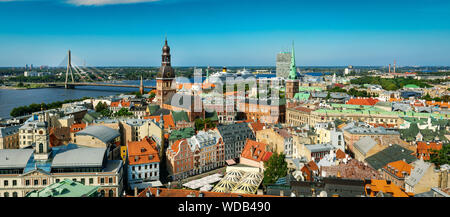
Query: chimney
x,y
136,191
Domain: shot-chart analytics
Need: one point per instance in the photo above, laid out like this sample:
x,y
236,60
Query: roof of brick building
x,y
142,152
398,168
362,101
256,151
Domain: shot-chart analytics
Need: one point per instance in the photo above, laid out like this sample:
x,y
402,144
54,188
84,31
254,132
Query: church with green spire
x,y
293,71
292,82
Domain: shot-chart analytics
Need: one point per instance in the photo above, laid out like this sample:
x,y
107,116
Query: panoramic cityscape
x,y
202,118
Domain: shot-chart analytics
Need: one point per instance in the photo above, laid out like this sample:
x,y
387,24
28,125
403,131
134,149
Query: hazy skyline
x,y
225,32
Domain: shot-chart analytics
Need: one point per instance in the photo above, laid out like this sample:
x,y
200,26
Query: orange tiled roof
x,y
398,168
168,120
257,126
424,149
312,165
255,151
340,154
395,100
114,104
125,104
166,192
385,125
381,185
142,152
440,104
122,103
362,101
77,127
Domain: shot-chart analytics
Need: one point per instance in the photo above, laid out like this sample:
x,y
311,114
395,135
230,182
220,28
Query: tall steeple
x,y
141,86
293,72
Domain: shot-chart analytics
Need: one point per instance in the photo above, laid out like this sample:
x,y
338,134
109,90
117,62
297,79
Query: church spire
x,y
293,72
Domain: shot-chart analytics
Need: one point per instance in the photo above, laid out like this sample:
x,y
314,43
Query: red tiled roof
x,y
362,101
398,168
114,104
376,186
142,152
312,166
340,154
425,149
303,109
257,126
122,103
255,151
440,104
77,127
168,120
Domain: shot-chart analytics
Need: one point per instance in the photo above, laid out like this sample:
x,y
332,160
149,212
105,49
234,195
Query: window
x,y
15,194
91,181
27,182
110,180
74,180
82,181
6,194
57,180
14,183
44,182
36,182
102,193
102,180
5,183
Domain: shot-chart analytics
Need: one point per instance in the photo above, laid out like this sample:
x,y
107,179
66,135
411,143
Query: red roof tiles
x,y
142,152
256,151
362,101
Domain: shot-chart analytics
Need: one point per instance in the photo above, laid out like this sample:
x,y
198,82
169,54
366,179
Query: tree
x,y
275,168
100,107
200,124
441,157
152,95
124,112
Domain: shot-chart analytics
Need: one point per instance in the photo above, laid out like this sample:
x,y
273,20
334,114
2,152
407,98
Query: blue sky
x,y
225,32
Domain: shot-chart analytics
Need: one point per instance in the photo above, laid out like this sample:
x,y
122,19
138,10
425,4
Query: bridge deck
x,y
97,84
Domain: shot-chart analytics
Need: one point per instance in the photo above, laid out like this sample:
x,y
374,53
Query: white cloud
x,y
105,2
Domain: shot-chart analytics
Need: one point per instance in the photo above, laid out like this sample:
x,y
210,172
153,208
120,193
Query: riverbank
x,y
25,87
12,88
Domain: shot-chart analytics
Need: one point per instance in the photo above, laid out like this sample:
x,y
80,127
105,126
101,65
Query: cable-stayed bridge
x,y
85,80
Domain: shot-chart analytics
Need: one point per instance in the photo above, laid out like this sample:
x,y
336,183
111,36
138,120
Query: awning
x,y
230,162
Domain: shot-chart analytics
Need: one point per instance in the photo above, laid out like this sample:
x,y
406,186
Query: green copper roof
x,y
153,108
180,116
91,116
182,134
303,88
66,188
212,116
303,96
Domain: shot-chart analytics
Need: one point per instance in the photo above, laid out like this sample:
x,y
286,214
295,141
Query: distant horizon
x,y
241,66
225,32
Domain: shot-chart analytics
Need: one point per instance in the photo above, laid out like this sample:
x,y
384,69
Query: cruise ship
x,y
223,75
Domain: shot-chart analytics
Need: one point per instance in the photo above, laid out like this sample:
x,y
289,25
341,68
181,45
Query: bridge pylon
x,y
69,70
